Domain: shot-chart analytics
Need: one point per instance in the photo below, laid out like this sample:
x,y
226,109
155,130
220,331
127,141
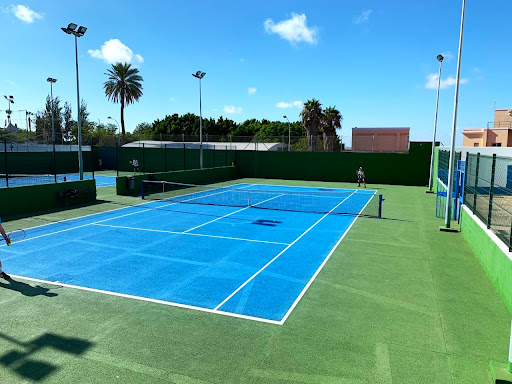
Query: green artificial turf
x,y
398,302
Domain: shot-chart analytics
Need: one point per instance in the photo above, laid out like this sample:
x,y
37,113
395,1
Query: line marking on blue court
x,y
279,254
100,221
216,310
320,267
186,306
229,214
188,233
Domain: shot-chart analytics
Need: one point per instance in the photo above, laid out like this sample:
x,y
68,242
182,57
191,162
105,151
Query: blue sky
x,y
374,60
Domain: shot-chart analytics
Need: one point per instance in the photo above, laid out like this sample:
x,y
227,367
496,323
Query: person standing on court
x,y
8,242
360,177
135,164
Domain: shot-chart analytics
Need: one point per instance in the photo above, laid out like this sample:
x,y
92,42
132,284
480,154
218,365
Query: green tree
x,y
311,119
68,123
124,87
330,122
44,120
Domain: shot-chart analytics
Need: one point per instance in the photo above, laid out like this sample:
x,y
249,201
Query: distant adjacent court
x,y
240,261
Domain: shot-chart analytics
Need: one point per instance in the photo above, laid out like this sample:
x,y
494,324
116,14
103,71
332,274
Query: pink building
x,y
497,134
380,139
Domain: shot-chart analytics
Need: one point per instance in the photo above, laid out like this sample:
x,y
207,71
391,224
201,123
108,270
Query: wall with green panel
x,y
18,200
493,260
380,168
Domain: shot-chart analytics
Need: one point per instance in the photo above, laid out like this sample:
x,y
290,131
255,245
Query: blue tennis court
x,y
239,261
18,180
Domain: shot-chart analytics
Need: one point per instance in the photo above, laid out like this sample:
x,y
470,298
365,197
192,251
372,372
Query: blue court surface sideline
x,y
245,262
18,181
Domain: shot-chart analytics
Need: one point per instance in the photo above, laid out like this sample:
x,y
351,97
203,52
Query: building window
x,y
496,145
476,145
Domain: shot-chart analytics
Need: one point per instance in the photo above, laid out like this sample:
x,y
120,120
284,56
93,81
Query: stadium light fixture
x,y
199,75
70,30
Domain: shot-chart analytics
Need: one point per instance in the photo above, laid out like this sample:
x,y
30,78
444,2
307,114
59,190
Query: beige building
x,y
380,139
497,134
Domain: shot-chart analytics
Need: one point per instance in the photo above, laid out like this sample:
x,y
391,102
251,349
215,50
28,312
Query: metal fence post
x,y
491,191
165,157
465,178
117,158
54,164
476,181
93,162
213,155
5,161
143,159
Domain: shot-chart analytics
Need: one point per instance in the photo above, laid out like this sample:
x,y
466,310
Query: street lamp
x,y
52,81
71,30
431,177
454,127
289,132
10,100
118,129
199,75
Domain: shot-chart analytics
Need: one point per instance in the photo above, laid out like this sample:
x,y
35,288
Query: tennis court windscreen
x,y
336,202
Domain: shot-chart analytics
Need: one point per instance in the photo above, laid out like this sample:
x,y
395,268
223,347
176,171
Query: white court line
x,y
275,258
170,303
190,234
229,214
96,222
372,191
322,265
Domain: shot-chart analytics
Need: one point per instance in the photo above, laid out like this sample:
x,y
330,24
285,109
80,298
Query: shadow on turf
x,y
25,366
27,289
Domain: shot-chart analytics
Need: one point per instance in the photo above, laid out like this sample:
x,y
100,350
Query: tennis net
x,y
332,202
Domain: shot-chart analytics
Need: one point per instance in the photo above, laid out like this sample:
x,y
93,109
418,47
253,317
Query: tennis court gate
x,y
442,185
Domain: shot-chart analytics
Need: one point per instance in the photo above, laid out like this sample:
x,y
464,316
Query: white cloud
x,y
114,51
172,99
448,55
364,17
251,91
294,30
299,104
25,14
433,78
242,60
231,109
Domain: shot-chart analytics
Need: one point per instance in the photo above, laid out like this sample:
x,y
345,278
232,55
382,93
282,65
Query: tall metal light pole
x,y
431,177
118,129
71,30
454,126
289,132
51,81
10,100
199,75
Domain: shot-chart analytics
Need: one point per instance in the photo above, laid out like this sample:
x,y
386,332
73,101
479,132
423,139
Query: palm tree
x,y
123,86
331,120
311,119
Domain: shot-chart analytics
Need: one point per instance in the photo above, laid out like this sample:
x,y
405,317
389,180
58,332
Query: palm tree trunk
x,y
122,121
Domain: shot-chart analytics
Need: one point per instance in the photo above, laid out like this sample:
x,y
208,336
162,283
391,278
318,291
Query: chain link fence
x,y
488,192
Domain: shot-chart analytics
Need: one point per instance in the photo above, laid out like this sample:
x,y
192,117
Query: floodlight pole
x,y
118,128
199,75
51,81
70,30
289,132
431,177
454,125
